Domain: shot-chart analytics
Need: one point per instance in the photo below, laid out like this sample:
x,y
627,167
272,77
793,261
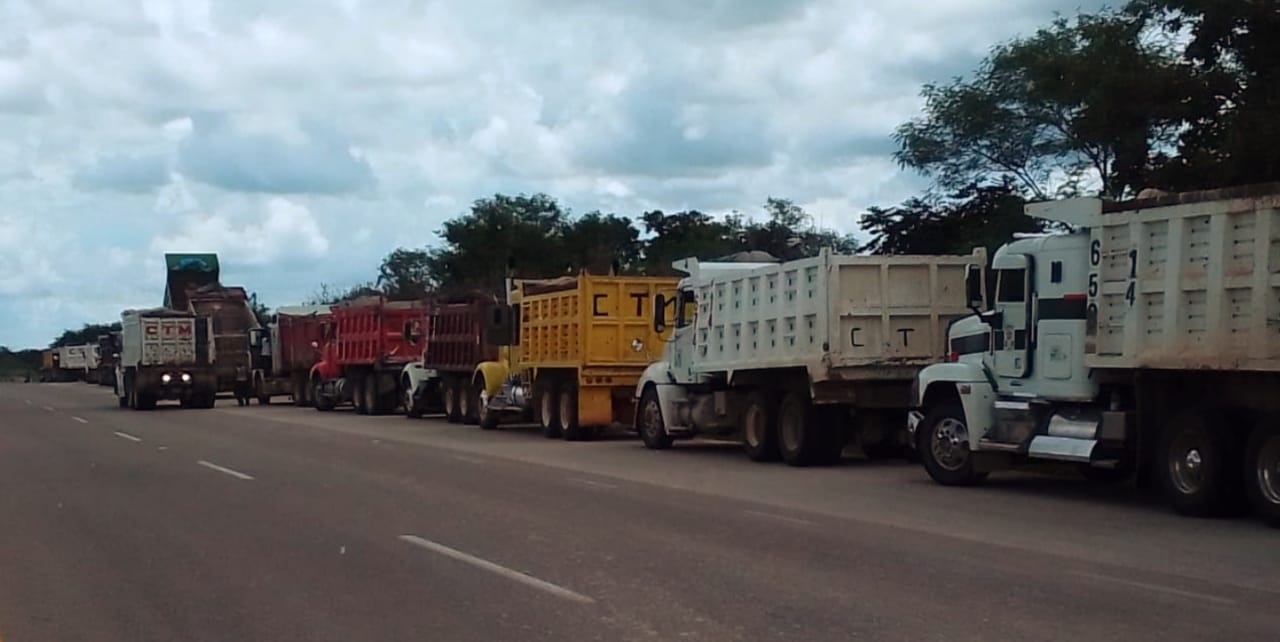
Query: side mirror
x,y
659,313
500,324
973,287
115,355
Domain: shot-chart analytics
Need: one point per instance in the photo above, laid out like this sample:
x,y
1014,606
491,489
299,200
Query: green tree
x,y
521,235
86,334
1089,98
602,243
405,275
789,233
986,216
260,311
686,234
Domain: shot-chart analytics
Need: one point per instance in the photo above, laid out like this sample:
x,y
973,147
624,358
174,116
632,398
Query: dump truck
x,y
1146,342
446,378
165,354
795,359
108,355
282,353
49,365
578,345
232,318
72,361
364,347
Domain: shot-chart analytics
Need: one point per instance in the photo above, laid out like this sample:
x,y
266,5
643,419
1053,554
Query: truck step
x,y
1061,448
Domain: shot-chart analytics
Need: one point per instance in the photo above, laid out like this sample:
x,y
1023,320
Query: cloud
x,y
314,159
123,173
287,231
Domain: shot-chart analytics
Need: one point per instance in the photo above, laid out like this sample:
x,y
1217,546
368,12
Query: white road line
x,y
1156,588
125,435
469,460
28,402
49,408
784,518
591,482
81,420
497,569
220,469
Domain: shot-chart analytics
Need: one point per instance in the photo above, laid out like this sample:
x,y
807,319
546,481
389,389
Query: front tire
x,y
450,393
488,418
943,443
649,422
799,436
1262,473
1200,465
322,403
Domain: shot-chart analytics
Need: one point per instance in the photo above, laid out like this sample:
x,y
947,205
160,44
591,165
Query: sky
x,y
303,141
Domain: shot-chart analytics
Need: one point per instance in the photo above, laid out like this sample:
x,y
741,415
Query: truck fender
x,y
493,374
943,382
413,375
658,376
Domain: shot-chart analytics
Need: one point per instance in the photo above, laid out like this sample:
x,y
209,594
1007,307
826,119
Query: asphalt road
x,y
277,523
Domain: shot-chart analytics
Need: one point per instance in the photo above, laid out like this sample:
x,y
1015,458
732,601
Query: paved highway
x,y
277,523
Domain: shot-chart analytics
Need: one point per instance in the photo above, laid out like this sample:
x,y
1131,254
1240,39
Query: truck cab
x,y
1016,385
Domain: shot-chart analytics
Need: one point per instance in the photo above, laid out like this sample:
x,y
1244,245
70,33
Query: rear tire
x,y
547,401
1262,473
451,411
372,398
321,402
943,443
799,438
468,397
760,427
649,422
568,413
1200,465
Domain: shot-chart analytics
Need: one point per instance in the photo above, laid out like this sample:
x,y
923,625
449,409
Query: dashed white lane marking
x,y
1156,588
498,569
49,408
80,419
233,473
28,402
592,482
125,435
781,518
469,460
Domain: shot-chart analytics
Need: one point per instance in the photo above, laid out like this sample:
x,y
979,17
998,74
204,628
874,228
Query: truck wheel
x,y
568,413
488,419
1200,465
451,410
547,399
944,446
411,409
372,399
799,437
146,402
649,423
1262,473
299,392
466,403
760,427
322,403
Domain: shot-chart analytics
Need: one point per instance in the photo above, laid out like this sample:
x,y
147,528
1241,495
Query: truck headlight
x,y
166,378
186,377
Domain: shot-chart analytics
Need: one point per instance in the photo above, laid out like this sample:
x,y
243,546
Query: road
x,y
279,523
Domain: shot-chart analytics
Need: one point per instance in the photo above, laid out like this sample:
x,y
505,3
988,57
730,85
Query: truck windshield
x,y
1012,286
686,309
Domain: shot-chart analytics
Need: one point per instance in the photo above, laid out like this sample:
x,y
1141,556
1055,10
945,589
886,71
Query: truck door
x,y
1011,336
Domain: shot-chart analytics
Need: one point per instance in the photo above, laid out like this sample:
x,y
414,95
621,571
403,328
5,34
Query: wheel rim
x,y
547,406
566,409
464,402
1187,464
790,423
1268,470
950,445
755,426
449,401
650,417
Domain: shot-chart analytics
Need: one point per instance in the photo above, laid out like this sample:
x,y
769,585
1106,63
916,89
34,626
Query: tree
x,y
405,275
1089,98
89,333
789,233
602,243
521,234
260,311
986,216
686,234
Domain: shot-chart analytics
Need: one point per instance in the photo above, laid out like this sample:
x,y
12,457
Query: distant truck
x,y
165,354
446,378
363,350
283,353
108,355
578,346
1147,342
232,319
49,365
794,359
72,361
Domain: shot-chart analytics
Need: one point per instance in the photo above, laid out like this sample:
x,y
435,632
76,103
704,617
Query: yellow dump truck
x,y
574,349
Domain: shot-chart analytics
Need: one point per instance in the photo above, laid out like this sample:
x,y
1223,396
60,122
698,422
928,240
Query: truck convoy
x,y
791,358
446,375
1146,341
165,354
363,350
282,353
578,345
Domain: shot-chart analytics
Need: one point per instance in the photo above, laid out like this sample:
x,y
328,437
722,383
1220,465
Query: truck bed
x,y
839,316
371,331
592,321
1185,281
455,337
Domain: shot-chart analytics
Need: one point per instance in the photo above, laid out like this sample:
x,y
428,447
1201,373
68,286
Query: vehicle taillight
x,y
953,356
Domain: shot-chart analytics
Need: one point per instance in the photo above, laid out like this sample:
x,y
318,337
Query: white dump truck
x,y
795,358
165,354
1147,341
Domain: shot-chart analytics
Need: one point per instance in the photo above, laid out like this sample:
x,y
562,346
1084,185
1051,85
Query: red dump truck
x,y
364,347
445,376
284,352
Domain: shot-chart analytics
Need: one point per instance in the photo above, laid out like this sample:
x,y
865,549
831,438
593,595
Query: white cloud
x,y
279,134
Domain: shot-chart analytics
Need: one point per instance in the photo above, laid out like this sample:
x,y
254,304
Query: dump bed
x,y
1184,281
455,337
232,317
371,331
162,338
72,358
591,321
839,316
297,328
47,360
